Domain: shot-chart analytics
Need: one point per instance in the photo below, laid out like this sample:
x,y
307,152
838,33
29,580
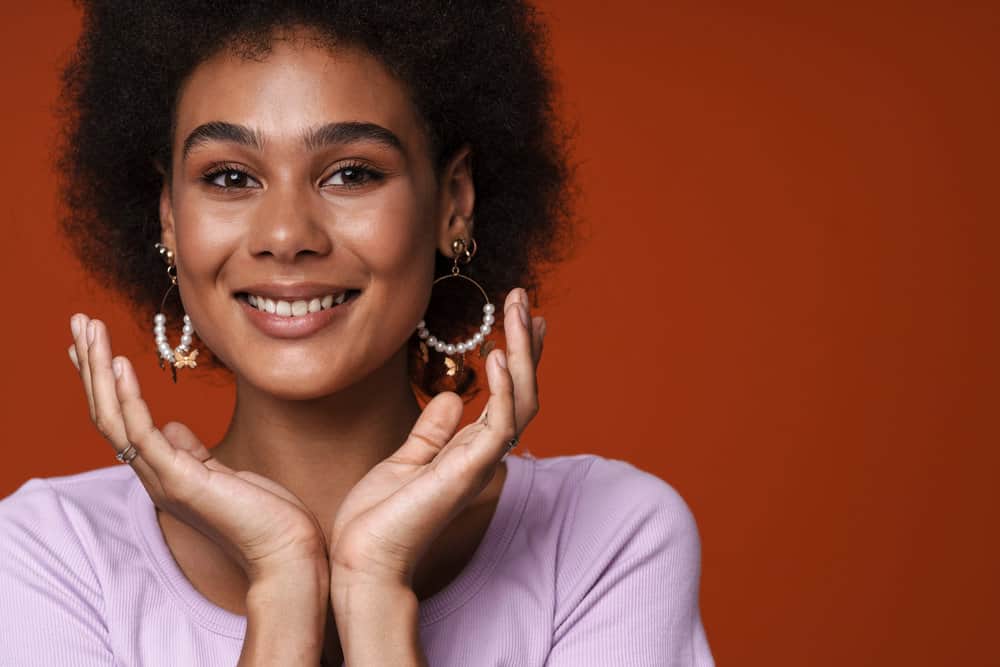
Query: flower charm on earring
x,y
181,356
461,252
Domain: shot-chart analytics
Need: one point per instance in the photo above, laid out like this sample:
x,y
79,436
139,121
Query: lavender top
x,y
587,561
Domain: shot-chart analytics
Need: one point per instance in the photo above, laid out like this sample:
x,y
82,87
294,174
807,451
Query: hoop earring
x,y
461,253
181,356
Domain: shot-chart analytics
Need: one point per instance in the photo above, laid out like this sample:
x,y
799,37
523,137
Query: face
x,y
297,178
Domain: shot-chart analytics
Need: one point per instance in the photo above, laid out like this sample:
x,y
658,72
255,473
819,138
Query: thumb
x,y
433,430
181,437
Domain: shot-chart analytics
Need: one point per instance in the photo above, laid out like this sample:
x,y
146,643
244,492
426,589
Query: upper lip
x,y
293,291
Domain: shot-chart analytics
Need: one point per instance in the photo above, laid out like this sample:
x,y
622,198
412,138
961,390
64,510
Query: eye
x,y
229,178
354,176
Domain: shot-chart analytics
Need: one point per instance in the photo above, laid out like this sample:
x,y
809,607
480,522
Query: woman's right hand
x,y
259,523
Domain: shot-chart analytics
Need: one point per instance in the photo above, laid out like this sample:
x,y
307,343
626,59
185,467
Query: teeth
x,y
295,308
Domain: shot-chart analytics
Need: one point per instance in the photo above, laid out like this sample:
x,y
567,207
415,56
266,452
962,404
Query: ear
x,y
167,236
457,199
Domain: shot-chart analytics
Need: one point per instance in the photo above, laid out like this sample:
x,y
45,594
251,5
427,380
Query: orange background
x,y
786,306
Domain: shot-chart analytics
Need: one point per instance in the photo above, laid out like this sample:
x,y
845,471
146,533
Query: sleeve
x,y
51,605
627,584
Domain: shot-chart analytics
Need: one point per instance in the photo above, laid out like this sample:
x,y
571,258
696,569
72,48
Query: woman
x,y
302,172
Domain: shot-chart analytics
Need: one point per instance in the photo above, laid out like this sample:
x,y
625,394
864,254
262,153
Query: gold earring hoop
x,y
181,356
462,254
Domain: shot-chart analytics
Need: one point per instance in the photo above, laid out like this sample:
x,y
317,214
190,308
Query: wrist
x,y
286,618
303,580
378,622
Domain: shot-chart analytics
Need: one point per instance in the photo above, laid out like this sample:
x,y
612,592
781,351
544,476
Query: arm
x,y
628,590
286,614
378,624
263,526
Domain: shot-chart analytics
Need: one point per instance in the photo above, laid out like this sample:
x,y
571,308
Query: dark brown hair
x,y
477,72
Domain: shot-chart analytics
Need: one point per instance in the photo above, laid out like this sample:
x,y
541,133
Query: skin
x,y
310,504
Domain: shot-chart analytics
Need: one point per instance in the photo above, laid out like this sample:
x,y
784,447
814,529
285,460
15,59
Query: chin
x,y
298,384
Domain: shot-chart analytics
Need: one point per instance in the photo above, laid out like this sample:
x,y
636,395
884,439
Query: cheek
x,y
205,237
394,238
206,234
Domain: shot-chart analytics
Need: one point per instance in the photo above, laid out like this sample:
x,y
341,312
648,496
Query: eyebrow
x,y
313,138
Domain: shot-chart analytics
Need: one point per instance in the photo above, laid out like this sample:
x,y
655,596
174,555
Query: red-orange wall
x,y
787,306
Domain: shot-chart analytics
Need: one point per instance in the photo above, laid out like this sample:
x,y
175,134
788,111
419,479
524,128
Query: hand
x,y
262,525
390,518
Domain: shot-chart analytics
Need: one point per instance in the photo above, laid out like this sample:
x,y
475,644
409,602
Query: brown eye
x,y
353,176
230,179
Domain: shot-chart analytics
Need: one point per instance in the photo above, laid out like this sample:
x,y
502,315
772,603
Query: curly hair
x,y
477,73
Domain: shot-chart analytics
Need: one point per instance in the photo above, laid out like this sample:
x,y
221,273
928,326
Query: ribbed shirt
x,y
587,562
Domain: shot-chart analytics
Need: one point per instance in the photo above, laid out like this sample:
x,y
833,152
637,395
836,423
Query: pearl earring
x,y
181,356
460,252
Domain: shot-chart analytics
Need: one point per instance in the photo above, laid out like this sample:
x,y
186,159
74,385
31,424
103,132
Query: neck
x,y
320,448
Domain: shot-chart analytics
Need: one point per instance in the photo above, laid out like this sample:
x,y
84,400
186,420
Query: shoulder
x,y
607,494
55,534
617,521
67,498
64,516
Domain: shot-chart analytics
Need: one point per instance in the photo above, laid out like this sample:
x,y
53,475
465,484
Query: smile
x,y
297,308
296,319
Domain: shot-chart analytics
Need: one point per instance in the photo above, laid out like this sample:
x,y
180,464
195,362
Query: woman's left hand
x,y
390,518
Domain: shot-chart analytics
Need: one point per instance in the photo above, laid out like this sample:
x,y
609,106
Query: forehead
x,y
295,86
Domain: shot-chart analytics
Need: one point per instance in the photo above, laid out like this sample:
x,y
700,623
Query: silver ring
x,y
511,444
127,454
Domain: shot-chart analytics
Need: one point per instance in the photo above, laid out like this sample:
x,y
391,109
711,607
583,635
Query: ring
x,y
127,454
511,444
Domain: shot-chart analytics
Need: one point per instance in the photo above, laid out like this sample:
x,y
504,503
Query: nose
x,y
288,222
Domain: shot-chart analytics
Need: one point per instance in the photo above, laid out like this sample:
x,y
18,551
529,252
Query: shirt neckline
x,y
499,533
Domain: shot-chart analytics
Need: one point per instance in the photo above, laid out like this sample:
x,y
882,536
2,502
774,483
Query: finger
x,y
521,360
79,328
72,357
432,430
538,326
500,426
107,411
174,468
181,437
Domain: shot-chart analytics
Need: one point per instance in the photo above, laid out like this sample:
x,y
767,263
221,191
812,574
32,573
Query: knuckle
x,y
101,423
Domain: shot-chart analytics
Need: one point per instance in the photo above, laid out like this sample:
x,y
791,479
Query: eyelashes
x,y
233,177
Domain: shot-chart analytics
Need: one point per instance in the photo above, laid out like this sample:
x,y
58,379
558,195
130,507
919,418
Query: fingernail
x,y
502,360
116,366
90,331
541,330
74,325
525,318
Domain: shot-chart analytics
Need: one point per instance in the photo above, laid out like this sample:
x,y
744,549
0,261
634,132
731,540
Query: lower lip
x,y
279,326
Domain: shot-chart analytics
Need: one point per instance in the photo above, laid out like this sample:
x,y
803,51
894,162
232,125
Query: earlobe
x,y
457,227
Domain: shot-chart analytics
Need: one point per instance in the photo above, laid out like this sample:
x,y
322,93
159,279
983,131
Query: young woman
x,y
335,203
